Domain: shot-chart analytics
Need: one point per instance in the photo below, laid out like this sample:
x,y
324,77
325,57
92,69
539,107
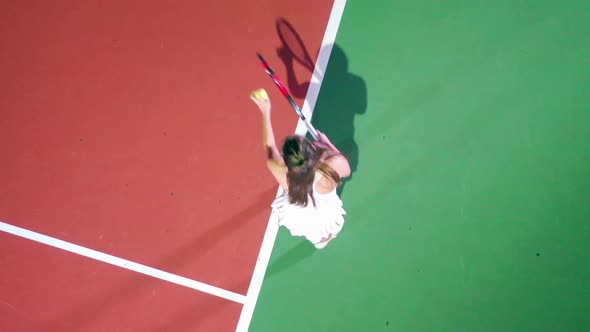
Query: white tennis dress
x,y
313,222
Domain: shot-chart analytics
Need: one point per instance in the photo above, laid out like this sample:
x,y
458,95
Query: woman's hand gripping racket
x,y
287,95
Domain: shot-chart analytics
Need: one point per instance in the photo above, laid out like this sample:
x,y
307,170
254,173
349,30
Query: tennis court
x,y
134,194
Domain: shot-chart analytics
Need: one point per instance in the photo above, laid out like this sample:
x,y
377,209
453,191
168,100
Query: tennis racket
x,y
287,95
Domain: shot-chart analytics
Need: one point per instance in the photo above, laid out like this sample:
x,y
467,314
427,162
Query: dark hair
x,y
303,158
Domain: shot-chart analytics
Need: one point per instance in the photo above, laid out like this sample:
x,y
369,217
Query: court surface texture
x,y
134,194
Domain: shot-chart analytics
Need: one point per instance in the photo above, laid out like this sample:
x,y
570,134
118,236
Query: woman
x,y
309,174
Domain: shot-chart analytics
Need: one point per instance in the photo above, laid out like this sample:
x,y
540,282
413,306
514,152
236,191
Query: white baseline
x,y
129,265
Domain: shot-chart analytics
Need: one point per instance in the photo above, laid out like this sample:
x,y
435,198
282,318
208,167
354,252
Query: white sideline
x,y
307,109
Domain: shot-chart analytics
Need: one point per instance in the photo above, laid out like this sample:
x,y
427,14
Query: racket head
x,y
287,95
274,77
281,86
293,43
265,64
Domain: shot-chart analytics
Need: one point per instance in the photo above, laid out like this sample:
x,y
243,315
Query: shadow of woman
x,y
342,97
290,258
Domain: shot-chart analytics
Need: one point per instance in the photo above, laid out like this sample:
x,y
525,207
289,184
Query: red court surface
x,y
49,291
126,128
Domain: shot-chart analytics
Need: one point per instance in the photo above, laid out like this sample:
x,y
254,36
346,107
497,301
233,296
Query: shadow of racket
x,y
293,43
293,46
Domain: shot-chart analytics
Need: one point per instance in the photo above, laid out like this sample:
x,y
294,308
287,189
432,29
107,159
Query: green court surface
x,y
468,127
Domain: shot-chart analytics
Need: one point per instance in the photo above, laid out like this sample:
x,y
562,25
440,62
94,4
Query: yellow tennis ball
x,y
261,94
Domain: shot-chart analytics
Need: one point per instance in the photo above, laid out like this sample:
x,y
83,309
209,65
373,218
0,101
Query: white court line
x,y
307,109
129,265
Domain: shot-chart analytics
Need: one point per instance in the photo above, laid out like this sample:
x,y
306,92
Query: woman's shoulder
x,y
339,163
330,174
